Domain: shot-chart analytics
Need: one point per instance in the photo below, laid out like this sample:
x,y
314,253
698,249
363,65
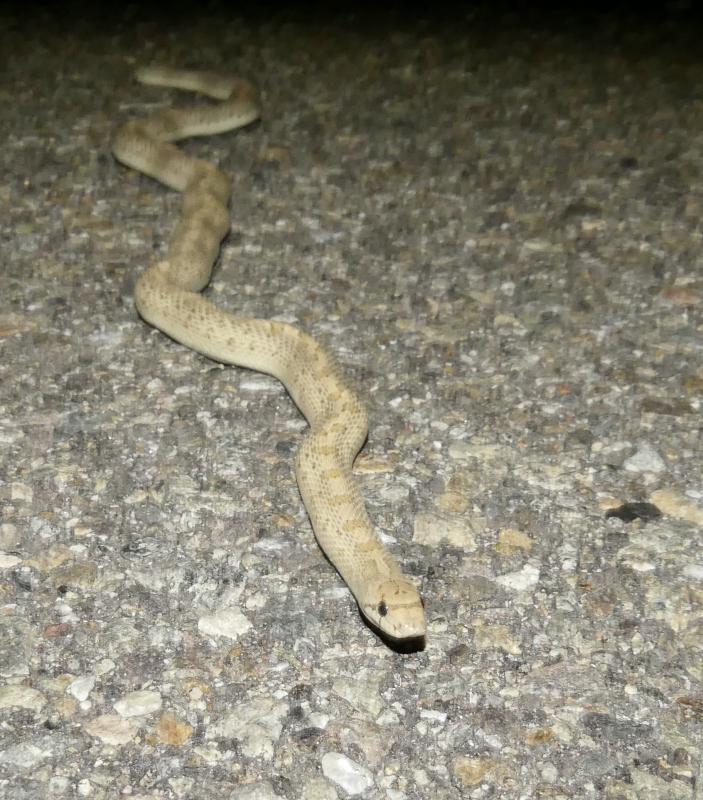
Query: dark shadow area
x,y
673,27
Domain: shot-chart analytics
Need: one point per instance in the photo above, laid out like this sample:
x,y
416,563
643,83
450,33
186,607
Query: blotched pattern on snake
x,y
168,296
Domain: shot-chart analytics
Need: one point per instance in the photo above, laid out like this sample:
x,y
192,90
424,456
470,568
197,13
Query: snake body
x,y
168,296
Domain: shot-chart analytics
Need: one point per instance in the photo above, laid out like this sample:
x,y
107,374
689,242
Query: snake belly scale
x,y
167,295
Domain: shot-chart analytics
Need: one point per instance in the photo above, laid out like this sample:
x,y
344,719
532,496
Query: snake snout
x,y
396,609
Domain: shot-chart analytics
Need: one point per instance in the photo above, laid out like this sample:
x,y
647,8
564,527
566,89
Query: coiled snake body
x,y
168,296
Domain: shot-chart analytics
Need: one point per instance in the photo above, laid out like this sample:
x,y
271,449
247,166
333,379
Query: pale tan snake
x,y
168,296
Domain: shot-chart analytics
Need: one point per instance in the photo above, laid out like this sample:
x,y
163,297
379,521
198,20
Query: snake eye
x,y
382,608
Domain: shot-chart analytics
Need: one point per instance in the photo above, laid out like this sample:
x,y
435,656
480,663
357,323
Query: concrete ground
x,y
492,218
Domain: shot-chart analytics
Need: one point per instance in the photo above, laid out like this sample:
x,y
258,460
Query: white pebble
x,y
227,622
21,697
23,755
7,560
646,459
81,687
694,571
352,777
257,724
104,666
521,580
112,729
388,717
435,716
137,704
318,720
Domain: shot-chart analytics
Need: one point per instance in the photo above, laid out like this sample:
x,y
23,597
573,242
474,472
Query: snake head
x,y
394,607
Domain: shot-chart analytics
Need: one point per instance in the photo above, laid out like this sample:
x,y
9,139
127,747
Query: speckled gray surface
x,y
495,225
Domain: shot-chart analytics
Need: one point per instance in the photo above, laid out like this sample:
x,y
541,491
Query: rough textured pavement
x,y
493,218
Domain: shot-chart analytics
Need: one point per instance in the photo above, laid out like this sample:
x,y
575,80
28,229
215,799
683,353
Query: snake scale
x,y
167,296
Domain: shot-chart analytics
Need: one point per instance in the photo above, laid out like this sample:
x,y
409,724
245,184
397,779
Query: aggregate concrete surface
x,y
492,216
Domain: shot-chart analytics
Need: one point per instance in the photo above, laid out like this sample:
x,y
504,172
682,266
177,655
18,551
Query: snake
x,y
168,296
